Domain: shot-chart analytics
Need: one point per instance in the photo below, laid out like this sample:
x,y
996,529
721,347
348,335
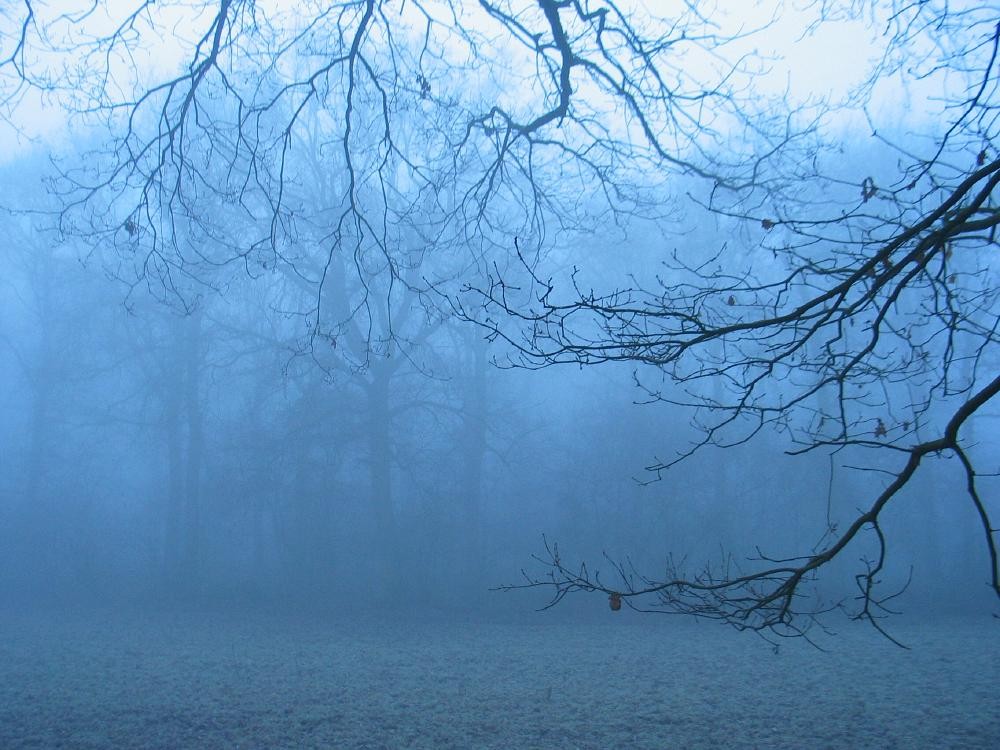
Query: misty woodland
x,y
378,373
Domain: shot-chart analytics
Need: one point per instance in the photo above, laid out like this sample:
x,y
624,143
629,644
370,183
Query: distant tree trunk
x,y
175,488
380,473
40,440
42,383
36,514
726,519
184,436
472,446
194,453
260,568
261,485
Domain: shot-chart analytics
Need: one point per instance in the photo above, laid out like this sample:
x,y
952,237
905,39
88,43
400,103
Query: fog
x,y
154,456
444,374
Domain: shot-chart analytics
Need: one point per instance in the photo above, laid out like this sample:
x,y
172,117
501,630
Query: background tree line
x,y
351,211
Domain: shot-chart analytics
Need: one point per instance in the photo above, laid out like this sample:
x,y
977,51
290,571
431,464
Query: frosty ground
x,y
223,680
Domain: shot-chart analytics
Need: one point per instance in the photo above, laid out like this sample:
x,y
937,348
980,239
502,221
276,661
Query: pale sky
x,y
827,63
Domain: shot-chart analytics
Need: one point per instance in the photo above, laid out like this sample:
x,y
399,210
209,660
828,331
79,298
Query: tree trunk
x,y
194,453
475,416
175,490
386,552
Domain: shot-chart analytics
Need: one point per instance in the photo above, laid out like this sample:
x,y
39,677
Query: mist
x,y
153,455
458,377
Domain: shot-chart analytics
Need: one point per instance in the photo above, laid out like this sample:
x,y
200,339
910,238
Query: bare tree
x,y
462,124
499,130
862,318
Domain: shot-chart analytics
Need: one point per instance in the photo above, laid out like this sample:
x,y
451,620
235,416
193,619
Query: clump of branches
x,y
861,314
439,125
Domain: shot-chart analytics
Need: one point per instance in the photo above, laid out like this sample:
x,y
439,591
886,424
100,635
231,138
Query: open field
x,y
264,681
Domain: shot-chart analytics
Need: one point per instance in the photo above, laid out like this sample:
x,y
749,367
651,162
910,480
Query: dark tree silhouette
x,y
869,322
441,124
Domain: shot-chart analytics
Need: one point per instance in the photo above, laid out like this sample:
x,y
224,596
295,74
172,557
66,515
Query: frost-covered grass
x,y
267,681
